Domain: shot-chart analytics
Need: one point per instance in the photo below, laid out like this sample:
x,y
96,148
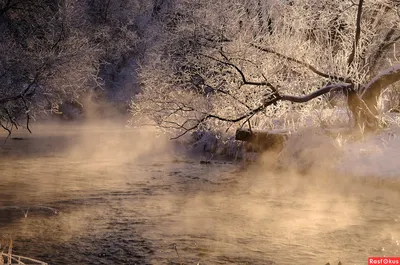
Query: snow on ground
x,y
374,156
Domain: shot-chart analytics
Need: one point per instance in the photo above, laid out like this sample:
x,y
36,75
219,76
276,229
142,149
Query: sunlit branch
x,y
243,77
307,65
247,116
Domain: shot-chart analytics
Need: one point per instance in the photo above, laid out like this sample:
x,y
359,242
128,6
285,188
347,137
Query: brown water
x,y
129,197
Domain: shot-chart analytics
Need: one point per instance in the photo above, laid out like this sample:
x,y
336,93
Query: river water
x,y
128,196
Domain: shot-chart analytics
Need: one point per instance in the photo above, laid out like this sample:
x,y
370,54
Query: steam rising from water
x,y
115,184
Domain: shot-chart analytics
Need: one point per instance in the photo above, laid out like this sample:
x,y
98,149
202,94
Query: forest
x,y
202,66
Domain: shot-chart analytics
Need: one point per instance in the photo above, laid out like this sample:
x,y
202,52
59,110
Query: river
x,y
129,196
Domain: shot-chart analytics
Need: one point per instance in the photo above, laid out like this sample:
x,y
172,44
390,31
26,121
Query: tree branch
x,y
232,96
391,42
317,93
243,77
7,129
296,99
28,92
384,79
23,94
383,46
307,65
364,105
350,60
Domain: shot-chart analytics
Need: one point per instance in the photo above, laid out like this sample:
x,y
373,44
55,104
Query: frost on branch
x,y
236,64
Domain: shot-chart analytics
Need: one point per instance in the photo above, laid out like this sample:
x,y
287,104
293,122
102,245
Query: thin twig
x,y
7,129
28,118
177,253
11,119
248,120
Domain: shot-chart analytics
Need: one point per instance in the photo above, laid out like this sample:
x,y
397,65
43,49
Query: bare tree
x,y
233,61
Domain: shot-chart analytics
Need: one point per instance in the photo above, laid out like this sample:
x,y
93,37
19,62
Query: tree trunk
x,y
364,104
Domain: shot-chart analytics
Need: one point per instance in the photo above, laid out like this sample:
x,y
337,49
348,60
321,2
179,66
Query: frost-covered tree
x,y
54,51
46,57
220,63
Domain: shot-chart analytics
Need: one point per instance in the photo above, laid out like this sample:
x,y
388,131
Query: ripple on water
x,y
117,211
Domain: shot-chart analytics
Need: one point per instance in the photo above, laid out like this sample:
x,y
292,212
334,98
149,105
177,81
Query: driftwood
x,y
261,140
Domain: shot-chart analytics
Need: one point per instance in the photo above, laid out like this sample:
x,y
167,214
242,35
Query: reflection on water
x,y
127,197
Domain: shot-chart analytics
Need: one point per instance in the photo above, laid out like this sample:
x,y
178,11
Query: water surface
x,y
126,196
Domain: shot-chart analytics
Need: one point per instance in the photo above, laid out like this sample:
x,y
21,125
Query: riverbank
x,y
369,155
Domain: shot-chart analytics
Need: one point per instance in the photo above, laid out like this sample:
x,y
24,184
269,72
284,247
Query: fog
x,y
128,194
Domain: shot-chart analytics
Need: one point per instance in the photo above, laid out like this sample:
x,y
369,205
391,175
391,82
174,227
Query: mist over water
x,y
130,196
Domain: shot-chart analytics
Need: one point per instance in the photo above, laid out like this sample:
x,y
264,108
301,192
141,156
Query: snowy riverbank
x,y
375,155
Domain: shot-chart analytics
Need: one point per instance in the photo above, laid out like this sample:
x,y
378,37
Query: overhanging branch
x,y
296,99
26,93
331,88
384,79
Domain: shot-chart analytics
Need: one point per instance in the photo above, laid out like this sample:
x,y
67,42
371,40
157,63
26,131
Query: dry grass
x,y
6,244
8,258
